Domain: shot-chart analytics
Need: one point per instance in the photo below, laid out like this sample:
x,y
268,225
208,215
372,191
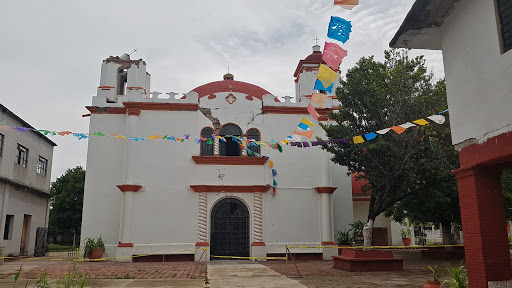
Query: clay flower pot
x,y
432,284
406,241
96,254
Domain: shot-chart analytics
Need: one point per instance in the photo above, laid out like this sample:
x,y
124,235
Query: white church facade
x,y
171,198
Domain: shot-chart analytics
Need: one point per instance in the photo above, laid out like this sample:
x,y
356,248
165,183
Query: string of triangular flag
x,y
274,174
399,129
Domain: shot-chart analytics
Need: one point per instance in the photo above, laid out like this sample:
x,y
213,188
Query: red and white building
x,y
170,199
475,38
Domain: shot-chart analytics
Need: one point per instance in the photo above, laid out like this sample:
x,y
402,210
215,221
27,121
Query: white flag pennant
x,y
407,125
383,131
439,119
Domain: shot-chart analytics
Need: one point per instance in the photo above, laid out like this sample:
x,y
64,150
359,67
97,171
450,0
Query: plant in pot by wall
x,y
406,236
356,228
94,248
433,283
343,238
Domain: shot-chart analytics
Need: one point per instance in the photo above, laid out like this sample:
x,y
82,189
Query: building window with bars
x,y
42,165
22,156
207,145
254,134
505,15
230,147
1,144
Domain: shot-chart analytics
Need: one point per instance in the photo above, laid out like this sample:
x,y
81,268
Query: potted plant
x,y
406,236
357,231
433,283
94,249
459,279
344,239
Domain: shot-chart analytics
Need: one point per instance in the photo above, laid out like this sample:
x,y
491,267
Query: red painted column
x,y
484,225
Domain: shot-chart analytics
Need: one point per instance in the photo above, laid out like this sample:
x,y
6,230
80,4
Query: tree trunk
x,y
368,233
456,235
446,233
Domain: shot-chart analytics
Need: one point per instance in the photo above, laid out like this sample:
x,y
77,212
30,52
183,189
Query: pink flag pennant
x,y
333,55
319,99
313,112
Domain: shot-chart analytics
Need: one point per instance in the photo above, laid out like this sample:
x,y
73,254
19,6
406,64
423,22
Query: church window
x,y
122,78
505,17
206,149
254,134
230,147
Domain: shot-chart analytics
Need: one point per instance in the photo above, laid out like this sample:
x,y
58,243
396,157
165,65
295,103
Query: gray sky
x,y
52,50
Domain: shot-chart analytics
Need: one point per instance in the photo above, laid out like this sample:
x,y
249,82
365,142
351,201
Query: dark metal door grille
x,y
230,229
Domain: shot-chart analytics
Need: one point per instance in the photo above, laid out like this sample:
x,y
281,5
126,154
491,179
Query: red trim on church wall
x,y
361,199
202,244
161,106
107,110
129,188
125,244
229,160
293,110
327,190
258,244
329,243
231,188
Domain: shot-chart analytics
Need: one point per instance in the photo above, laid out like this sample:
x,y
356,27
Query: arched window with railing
x,y
230,146
254,134
207,149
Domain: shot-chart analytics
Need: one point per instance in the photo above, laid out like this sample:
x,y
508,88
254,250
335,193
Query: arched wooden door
x,y
229,229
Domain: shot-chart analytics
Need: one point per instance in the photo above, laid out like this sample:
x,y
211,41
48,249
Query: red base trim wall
x,y
129,188
328,190
329,243
230,188
258,244
125,245
202,244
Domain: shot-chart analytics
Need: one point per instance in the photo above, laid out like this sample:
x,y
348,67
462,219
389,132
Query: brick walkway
x,y
103,270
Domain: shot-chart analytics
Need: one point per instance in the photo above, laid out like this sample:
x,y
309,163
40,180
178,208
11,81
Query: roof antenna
x,y
228,69
134,50
316,40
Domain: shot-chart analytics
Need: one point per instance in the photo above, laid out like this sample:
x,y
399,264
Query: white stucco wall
x,y
22,190
477,74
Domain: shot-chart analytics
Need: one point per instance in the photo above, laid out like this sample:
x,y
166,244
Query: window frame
x,y
8,225
257,137
206,149
42,166
22,151
504,48
2,140
227,147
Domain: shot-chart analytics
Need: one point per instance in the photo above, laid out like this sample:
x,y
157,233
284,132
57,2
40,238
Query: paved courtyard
x,y
226,273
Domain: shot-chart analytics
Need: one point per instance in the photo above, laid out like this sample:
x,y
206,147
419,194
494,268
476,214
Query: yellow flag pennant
x,y
358,139
306,121
271,163
421,122
326,75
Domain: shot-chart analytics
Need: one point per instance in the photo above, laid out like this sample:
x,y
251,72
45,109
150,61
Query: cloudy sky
x,y
52,50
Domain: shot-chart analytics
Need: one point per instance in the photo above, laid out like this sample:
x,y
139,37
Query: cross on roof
x,y
316,40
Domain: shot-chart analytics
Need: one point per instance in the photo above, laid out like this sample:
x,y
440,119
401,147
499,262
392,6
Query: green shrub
x,y
91,244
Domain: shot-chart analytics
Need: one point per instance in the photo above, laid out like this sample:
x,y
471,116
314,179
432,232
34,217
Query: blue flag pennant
x,y
339,29
320,86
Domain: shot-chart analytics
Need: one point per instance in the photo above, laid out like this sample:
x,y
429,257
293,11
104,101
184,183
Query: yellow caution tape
x,y
373,247
240,257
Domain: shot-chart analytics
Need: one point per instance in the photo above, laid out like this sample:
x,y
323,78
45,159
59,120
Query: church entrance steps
x,y
229,274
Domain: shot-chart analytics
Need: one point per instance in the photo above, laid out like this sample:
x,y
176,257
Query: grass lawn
x,y
59,248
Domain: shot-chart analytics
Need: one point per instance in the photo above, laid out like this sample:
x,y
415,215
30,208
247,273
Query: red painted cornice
x,y
231,188
129,188
293,110
161,106
106,110
328,190
229,160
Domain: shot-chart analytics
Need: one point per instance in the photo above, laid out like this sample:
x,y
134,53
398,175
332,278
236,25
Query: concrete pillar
x,y
484,225
258,247
216,148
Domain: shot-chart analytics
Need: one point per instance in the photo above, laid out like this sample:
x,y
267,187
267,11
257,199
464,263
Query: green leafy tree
x,y
377,95
67,194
